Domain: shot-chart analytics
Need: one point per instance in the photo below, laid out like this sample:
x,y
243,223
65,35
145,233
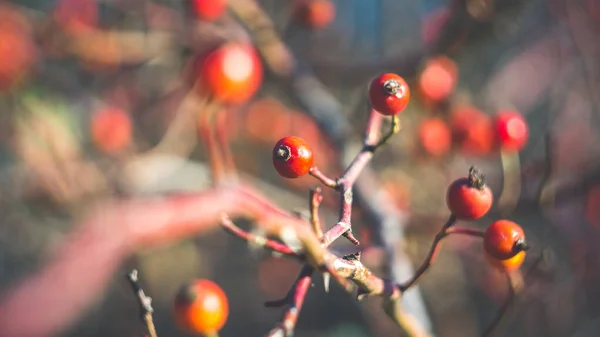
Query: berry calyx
x,y
292,157
201,307
504,239
389,94
469,198
511,129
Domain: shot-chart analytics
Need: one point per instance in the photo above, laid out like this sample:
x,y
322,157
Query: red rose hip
x,y
209,10
201,307
511,129
315,14
469,198
389,94
504,239
292,157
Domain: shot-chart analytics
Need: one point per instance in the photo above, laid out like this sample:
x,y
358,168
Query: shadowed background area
x,y
104,110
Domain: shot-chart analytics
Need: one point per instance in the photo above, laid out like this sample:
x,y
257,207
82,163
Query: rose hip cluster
x,y
469,199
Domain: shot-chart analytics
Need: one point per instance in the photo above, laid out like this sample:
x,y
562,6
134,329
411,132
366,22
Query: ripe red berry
x,y
435,136
511,130
438,78
504,239
232,73
201,307
469,198
507,265
315,14
472,130
209,10
389,94
111,129
292,157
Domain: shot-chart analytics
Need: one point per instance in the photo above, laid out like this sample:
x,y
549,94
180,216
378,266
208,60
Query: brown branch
x,y
431,256
144,301
316,197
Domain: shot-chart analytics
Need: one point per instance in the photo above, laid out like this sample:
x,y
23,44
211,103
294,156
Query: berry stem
x,y
431,256
465,231
329,182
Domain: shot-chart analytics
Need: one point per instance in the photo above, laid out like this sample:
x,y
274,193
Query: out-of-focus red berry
x,y
512,131
209,10
435,136
231,74
76,16
271,110
201,307
469,198
315,14
472,131
389,94
438,78
111,129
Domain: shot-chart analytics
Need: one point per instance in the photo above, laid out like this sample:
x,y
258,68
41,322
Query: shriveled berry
x,y
292,157
504,239
389,94
469,198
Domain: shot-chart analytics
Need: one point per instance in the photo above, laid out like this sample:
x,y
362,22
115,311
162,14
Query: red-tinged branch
x,y
144,301
260,241
329,182
89,256
295,300
222,133
373,141
431,256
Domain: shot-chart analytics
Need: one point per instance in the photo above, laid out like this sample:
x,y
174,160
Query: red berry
x,y
511,130
504,239
232,73
76,16
292,157
315,13
472,130
469,198
209,10
201,307
438,78
507,265
111,129
389,94
435,136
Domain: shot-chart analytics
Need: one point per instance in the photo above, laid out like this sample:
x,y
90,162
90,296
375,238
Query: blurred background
x,y
92,94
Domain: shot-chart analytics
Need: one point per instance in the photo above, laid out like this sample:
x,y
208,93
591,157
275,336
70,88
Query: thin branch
x,y
222,133
295,300
144,301
329,182
260,241
431,256
316,197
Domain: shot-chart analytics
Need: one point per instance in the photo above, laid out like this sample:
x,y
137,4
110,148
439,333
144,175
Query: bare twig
x,y
275,246
315,201
431,256
144,301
